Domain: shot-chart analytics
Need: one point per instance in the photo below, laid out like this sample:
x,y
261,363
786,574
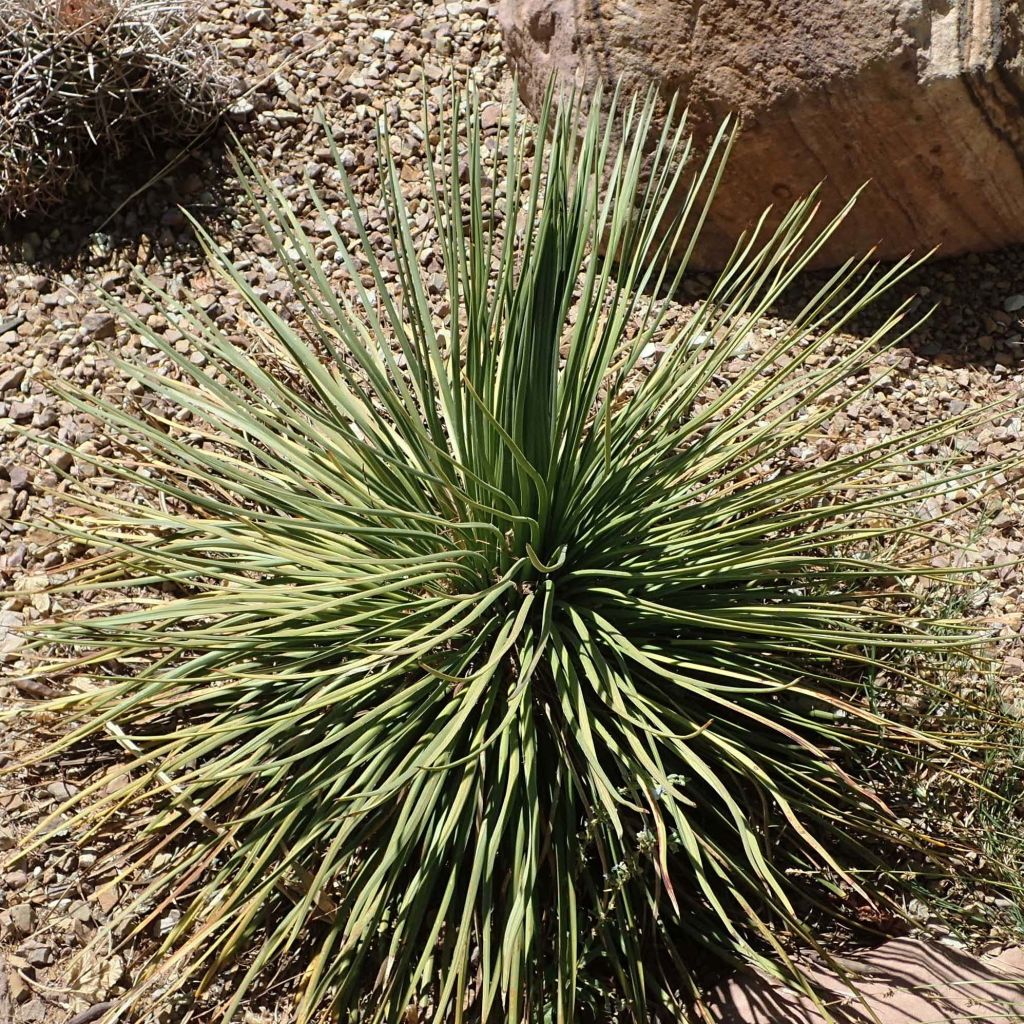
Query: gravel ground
x,y
354,60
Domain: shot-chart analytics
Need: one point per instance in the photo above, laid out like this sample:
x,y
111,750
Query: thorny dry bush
x,y
92,82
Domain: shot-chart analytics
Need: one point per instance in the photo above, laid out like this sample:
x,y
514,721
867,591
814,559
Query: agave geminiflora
x,y
504,674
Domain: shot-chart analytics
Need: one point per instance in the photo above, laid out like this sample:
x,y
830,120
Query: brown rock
x,y
21,412
20,991
902,982
107,897
99,325
11,379
925,98
34,1010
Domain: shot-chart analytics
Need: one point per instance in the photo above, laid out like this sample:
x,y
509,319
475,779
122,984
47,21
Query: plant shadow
x,y
963,310
902,982
134,207
967,303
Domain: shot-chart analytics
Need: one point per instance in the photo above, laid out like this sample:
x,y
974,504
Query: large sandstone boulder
x,y
923,97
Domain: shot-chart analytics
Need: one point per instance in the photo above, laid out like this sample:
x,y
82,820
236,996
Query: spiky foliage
x,y
95,80
513,677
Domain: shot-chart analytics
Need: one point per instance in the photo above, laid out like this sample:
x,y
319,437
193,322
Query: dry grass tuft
x,y
103,79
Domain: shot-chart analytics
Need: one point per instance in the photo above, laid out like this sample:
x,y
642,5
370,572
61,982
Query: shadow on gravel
x,y
135,209
974,321
901,982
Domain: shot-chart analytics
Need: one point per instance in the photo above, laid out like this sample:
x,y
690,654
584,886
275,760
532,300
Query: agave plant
x,y
506,672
